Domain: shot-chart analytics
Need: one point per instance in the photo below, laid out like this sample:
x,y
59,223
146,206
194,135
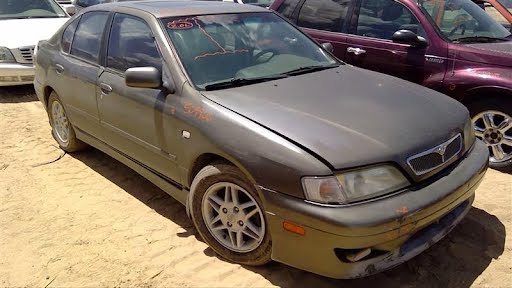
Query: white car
x,y
23,24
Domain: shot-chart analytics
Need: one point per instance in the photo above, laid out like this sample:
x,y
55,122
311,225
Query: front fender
x,y
466,82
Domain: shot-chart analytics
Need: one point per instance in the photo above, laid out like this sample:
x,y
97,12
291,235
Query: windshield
x,y
22,9
218,48
462,19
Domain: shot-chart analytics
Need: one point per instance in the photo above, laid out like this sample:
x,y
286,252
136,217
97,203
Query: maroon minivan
x,y
451,46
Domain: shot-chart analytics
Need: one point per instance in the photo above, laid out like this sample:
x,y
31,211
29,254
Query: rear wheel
x,y
229,215
492,119
62,130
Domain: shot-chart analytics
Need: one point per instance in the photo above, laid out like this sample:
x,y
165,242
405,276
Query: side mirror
x,y
71,10
410,38
143,77
328,46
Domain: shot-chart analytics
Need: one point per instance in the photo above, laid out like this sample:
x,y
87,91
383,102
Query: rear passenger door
x,y
131,115
77,69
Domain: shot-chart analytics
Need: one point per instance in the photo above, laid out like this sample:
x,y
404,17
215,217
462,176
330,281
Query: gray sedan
x,y
278,150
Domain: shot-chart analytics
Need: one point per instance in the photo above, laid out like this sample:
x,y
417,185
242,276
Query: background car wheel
x,y
62,130
492,119
229,215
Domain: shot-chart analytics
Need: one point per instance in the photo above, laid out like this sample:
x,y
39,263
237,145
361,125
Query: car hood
x,y
349,116
487,53
27,32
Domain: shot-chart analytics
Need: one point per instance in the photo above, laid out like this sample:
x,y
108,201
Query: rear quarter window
x,y
88,36
67,35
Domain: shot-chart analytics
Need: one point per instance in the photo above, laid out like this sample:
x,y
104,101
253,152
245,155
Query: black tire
x,y
72,144
208,176
501,104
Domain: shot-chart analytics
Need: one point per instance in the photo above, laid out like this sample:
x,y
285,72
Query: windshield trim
x,y
184,70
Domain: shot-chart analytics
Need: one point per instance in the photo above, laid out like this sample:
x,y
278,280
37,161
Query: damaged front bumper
x,y
382,233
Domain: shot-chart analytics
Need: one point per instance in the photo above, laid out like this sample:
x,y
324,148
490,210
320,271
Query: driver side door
x,y
131,115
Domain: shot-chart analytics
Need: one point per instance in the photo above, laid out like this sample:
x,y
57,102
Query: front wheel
x,y
229,215
492,120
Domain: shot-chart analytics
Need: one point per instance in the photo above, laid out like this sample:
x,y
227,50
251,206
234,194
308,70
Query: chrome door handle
x,y
59,68
105,88
356,51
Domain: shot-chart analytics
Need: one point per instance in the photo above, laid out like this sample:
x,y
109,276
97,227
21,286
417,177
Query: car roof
x,y
166,8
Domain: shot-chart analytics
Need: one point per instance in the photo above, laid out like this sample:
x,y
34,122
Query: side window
x,y
131,44
67,36
88,36
382,18
287,7
327,15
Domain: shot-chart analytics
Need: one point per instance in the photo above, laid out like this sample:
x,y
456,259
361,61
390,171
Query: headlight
x,y
6,55
354,185
469,133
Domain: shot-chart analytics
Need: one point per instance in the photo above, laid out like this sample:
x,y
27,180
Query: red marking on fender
x,y
197,112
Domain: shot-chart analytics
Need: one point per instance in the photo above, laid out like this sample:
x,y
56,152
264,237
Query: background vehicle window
x,y
87,3
23,9
327,15
462,20
506,3
287,7
382,18
496,15
67,36
88,36
131,45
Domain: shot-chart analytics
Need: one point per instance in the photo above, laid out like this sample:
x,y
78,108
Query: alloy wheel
x,y
233,217
494,128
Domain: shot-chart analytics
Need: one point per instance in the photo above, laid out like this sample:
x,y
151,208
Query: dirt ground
x,y
85,220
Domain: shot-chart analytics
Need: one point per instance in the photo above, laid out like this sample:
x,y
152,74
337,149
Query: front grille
x,y
27,53
434,158
24,55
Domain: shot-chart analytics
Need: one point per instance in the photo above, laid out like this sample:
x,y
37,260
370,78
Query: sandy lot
x,y
85,220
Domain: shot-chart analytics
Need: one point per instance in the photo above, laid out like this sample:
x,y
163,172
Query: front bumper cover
x,y
16,74
399,226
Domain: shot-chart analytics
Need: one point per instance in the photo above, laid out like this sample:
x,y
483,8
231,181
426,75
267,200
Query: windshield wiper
x,y
309,69
237,82
483,39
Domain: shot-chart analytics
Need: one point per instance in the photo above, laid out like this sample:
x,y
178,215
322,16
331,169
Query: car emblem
x,y
441,150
